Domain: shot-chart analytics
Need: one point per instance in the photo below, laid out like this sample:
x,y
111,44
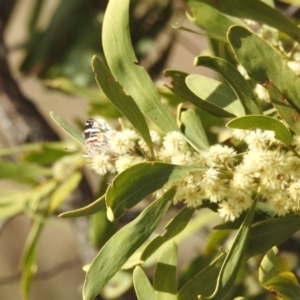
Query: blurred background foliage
x,y
38,178
60,54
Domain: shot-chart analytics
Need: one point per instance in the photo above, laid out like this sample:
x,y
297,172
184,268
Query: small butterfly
x,y
96,138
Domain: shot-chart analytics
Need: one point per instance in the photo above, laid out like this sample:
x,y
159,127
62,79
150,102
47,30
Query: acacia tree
x,y
250,179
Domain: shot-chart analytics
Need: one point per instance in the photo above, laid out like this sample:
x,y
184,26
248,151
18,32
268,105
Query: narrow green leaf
x,y
142,285
91,209
204,282
139,181
21,148
40,153
71,131
124,103
12,204
235,79
173,228
193,129
63,191
27,264
123,244
123,65
264,64
234,258
39,196
211,20
23,172
216,93
258,11
100,229
48,153
266,234
165,282
70,87
284,108
272,265
179,87
276,276
88,210
265,123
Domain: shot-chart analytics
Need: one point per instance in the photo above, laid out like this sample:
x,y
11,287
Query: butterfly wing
x,y
95,135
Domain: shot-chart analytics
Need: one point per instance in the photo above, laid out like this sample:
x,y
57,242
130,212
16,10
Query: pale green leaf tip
x,y
195,63
110,214
61,215
94,58
94,61
85,268
65,214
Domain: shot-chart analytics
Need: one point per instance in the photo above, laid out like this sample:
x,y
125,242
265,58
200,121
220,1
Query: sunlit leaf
x,y
71,131
123,102
165,283
142,285
216,93
270,2
236,81
265,123
276,276
179,87
88,210
122,62
193,129
210,19
258,11
265,65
